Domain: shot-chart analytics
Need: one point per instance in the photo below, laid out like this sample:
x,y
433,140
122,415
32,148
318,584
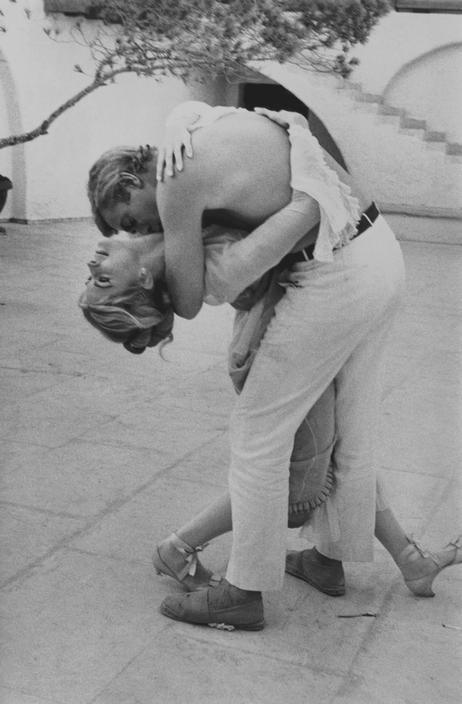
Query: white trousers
x,y
332,323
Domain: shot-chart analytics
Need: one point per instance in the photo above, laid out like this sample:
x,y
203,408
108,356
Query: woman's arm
x,y
242,263
180,123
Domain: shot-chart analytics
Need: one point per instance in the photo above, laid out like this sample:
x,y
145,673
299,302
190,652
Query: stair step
x,y
369,98
350,85
434,146
390,110
412,123
407,162
454,149
433,136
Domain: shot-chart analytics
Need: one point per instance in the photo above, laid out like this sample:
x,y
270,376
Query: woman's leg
x,y
176,555
387,528
309,466
418,566
213,521
326,574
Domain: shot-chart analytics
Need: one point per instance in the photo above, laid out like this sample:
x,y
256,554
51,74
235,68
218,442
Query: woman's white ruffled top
x,y
340,211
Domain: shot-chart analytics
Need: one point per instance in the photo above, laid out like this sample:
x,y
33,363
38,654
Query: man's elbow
x,y
188,309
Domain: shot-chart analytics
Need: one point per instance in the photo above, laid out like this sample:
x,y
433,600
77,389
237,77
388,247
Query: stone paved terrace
x,y
104,453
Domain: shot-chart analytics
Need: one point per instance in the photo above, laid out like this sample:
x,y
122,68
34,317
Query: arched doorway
x,y
275,97
12,159
428,87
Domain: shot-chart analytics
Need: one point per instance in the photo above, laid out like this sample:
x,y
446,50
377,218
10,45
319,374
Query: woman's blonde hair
x,y
138,318
111,174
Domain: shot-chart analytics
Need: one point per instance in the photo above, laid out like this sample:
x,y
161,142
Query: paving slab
x,y
49,424
147,426
414,634
103,453
132,531
10,696
420,450
214,672
90,477
27,536
74,624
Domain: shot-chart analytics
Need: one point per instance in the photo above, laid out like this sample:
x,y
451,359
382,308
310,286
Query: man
x,y
330,325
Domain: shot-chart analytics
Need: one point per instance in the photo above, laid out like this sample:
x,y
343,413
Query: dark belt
x,y
368,217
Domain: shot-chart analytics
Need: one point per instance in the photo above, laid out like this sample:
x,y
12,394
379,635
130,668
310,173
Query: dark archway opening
x,y
276,97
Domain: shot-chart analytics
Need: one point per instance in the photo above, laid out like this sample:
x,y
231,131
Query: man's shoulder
x,y
239,121
229,155
236,140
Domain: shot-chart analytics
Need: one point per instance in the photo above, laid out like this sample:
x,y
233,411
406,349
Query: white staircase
x,y
410,168
418,169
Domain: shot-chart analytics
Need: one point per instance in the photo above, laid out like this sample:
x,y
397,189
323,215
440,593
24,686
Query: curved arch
x,y
12,112
428,87
275,96
409,65
319,91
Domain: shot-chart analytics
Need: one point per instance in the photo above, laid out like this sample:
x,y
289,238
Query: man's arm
x,y
181,207
242,263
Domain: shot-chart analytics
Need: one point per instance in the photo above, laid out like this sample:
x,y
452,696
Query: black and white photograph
x,y
231,351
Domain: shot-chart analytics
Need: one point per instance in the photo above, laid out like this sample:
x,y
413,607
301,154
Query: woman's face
x,y
139,215
122,262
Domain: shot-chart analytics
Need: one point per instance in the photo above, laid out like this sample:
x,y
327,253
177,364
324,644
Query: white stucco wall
x,y
402,60
398,39
130,111
6,165
431,87
12,160
415,62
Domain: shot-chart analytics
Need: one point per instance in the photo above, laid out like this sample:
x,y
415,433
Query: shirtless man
x,y
240,176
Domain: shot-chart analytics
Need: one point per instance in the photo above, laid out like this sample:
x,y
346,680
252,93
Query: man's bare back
x,y
240,169
240,176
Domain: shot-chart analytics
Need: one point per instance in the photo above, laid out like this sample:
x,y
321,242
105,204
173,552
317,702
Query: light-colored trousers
x,y
331,324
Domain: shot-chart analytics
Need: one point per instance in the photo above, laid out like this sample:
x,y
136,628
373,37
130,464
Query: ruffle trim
x,y
311,504
340,210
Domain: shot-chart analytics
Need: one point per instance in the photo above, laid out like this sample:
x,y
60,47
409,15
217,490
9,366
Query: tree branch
x,y
42,129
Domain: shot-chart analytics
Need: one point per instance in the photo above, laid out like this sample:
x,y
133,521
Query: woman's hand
x,y
170,154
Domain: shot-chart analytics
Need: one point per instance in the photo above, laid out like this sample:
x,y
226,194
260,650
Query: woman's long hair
x,y
139,318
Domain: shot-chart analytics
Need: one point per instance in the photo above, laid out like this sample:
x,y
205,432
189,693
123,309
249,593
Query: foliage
x,y
223,36
209,38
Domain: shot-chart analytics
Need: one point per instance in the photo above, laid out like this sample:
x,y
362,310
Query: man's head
x,y
122,191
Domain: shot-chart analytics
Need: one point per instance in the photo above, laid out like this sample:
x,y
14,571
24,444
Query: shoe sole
x,y
222,626
334,591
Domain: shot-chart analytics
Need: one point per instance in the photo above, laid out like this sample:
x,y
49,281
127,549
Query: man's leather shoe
x,y
308,565
224,607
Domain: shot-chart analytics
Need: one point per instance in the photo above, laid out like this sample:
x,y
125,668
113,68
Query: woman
x,y
335,316
122,302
